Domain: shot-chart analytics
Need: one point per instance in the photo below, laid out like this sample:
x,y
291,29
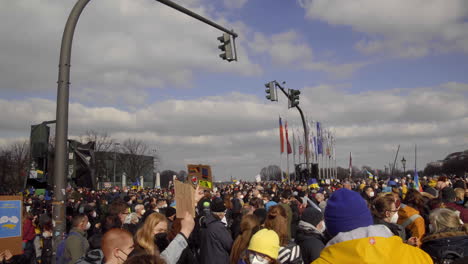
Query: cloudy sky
x,y
379,73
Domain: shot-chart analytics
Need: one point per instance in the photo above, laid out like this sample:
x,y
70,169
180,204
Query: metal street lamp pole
x,y
115,161
61,128
403,162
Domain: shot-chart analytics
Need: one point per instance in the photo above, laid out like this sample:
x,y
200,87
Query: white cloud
x,y
120,47
405,28
288,49
238,133
234,3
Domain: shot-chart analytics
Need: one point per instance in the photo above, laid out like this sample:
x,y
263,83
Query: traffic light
x,y
226,47
293,97
271,91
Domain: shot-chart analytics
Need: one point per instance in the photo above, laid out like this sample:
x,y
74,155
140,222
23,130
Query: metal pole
x,y
306,132
115,159
61,129
197,16
394,162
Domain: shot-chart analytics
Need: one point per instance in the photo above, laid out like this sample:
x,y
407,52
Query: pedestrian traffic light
x,y
293,97
226,47
271,91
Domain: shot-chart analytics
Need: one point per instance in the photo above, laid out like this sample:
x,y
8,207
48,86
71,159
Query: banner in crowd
x,y
11,224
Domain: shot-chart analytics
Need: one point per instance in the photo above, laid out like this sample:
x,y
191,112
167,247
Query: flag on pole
x,y
371,176
319,139
281,135
294,143
289,150
350,165
417,186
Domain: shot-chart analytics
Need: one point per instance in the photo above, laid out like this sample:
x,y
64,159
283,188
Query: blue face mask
x,y
459,202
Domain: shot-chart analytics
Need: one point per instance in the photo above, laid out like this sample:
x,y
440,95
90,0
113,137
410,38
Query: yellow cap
x,y
265,242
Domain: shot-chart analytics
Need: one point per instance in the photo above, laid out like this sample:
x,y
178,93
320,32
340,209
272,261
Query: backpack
x,y
60,257
290,254
47,250
95,256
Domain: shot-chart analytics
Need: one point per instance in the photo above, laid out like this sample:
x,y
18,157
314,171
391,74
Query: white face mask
x,y
224,221
46,234
255,260
88,226
371,194
143,212
241,197
94,214
394,218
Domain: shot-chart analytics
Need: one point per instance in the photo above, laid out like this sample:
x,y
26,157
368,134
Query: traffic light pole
x,y
63,96
306,132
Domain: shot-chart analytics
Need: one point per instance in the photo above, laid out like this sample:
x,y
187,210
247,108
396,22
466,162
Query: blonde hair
x,y
445,220
144,236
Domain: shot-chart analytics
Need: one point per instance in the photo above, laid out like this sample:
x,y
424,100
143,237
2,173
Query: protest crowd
x,y
395,220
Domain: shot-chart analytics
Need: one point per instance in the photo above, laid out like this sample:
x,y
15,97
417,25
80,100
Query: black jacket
x,y
216,241
311,243
447,245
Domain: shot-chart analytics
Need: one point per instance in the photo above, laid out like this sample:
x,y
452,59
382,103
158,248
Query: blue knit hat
x,y
346,210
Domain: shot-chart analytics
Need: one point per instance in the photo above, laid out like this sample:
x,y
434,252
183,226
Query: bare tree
x,y
14,162
134,160
103,141
271,173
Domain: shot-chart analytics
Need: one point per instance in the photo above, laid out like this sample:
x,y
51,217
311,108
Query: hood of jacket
x,y
444,235
306,231
210,219
362,232
372,249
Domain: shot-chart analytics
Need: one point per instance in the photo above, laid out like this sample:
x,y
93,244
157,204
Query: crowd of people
x,y
395,220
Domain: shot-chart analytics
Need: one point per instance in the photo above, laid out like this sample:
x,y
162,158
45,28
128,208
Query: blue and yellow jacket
x,y
372,244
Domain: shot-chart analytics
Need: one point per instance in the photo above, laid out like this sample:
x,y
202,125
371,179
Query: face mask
x,y
258,260
242,196
394,218
459,202
88,226
94,214
161,241
143,212
28,208
46,234
371,194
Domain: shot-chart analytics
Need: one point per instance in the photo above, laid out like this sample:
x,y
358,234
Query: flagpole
x,y
287,167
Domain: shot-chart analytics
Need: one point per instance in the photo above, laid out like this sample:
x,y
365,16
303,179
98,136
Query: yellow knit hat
x,y
266,242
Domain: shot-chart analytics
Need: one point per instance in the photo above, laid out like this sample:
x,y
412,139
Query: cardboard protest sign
x,y
184,198
11,224
201,175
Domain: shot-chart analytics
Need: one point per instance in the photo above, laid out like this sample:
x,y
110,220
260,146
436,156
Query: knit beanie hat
x,y
265,242
312,216
346,210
